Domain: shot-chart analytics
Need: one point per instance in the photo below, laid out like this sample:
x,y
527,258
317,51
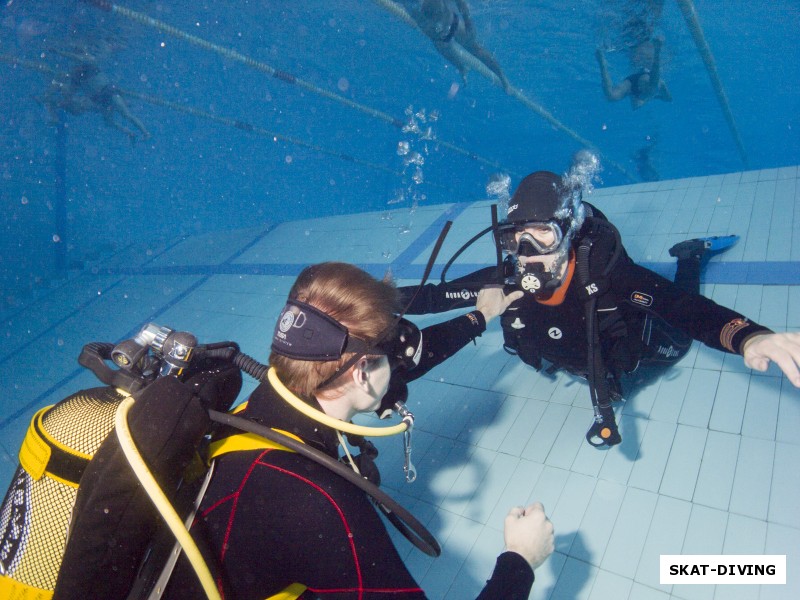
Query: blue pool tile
x,y
665,536
730,402
546,432
653,454
517,491
477,566
492,433
610,585
774,306
699,401
589,460
705,534
571,438
783,540
620,460
549,487
671,395
793,310
630,533
717,470
743,536
788,413
575,581
547,576
571,507
753,478
683,466
761,413
642,592
521,431
469,482
438,580
784,499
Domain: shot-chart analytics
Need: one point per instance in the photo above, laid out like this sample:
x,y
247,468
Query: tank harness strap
x,y
604,430
246,441
40,454
251,441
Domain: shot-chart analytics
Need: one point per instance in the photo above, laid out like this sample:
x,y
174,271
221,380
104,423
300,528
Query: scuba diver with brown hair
x,y
445,22
581,304
282,526
278,514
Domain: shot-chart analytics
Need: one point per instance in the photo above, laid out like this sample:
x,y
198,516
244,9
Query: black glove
x,y
603,431
215,381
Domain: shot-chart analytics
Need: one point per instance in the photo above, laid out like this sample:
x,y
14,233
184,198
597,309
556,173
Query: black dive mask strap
x,y
375,345
304,332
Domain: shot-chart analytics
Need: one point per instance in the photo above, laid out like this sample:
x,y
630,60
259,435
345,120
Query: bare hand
x,y
529,533
782,348
493,302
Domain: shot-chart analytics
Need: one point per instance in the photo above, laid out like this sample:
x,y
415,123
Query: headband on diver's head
x,y
304,332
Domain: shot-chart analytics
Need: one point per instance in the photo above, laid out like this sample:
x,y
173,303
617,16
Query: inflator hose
x,y
162,503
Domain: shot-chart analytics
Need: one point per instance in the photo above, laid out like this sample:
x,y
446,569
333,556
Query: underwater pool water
x,y
285,133
198,173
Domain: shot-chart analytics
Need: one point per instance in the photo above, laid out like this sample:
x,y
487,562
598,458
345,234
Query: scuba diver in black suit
x,y
581,304
280,524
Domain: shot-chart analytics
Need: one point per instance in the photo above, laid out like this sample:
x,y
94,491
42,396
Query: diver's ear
x,y
361,373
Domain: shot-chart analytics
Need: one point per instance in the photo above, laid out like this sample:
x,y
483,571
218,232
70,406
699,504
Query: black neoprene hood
x,y
538,197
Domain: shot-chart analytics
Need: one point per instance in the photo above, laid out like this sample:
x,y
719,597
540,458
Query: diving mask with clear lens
x,y
533,238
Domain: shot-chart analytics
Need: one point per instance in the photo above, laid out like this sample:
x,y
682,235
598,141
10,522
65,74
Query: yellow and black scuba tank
x,y
38,509
104,530
34,518
114,522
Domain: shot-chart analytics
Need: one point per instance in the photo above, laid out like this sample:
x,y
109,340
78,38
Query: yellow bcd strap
x,y
41,453
11,589
251,441
246,441
34,454
291,592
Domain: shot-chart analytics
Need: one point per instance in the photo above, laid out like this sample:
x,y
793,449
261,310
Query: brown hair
x,y
363,304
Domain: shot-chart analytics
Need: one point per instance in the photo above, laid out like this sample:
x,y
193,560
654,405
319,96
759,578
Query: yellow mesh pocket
x,y
35,514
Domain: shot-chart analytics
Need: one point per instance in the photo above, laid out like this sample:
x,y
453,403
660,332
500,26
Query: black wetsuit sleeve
x,y
512,579
701,318
441,297
441,341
